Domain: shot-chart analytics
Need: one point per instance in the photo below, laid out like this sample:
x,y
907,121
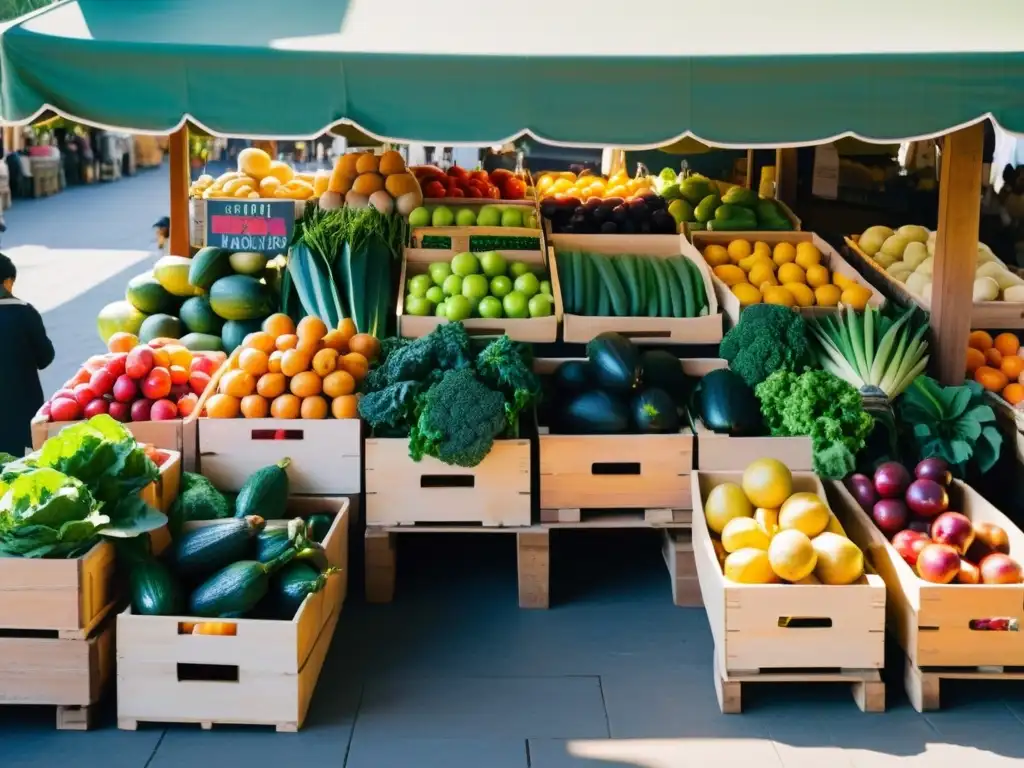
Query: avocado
x,y
681,211
705,210
727,211
671,192
695,189
740,196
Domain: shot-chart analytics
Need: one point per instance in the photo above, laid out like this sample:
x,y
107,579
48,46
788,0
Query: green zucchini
x,y
591,291
653,307
291,585
314,554
697,277
610,278
265,493
675,293
153,590
565,274
640,263
664,300
686,283
234,590
578,284
619,265
271,543
318,526
204,550
604,301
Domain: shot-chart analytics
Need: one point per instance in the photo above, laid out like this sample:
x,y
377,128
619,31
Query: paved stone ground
x,y
453,674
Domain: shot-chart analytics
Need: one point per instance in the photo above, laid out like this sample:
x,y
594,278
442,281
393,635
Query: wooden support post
x,y
379,562
785,175
534,560
751,184
956,250
180,181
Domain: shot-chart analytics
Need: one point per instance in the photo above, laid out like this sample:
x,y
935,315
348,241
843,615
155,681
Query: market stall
x,y
321,394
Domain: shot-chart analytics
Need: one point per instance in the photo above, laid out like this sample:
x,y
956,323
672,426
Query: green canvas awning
x,y
745,73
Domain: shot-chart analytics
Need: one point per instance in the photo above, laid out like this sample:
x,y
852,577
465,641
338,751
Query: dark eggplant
x,y
614,361
728,406
655,411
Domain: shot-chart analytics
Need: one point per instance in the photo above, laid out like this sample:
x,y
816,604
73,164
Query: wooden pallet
x,y
677,551
923,685
865,684
616,518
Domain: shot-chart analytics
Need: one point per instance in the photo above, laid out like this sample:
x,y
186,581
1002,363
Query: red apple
x,y
927,498
67,392
514,189
969,573
139,362
203,364
999,569
938,563
141,410
178,375
95,408
953,529
909,544
81,377
891,480
44,411
992,537
102,382
178,391
890,515
157,384
116,363
199,381
65,409
187,404
125,389
120,411
85,394
435,189
163,410
94,363
934,469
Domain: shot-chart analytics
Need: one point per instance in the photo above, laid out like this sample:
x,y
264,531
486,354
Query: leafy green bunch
x,y
767,338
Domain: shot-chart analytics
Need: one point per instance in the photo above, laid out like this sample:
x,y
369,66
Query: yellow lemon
x,y
730,274
803,295
807,255
776,294
716,255
804,512
791,555
784,253
753,260
827,295
761,248
856,296
817,276
842,280
739,250
791,273
761,273
725,502
767,483
839,560
768,519
742,532
747,294
749,566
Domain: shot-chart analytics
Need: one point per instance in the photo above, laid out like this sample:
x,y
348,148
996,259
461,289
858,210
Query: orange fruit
x,y
335,340
161,358
311,328
237,384
294,362
366,345
308,345
305,384
254,407
279,325
975,359
260,340
979,340
254,361
325,361
222,407
285,407
1013,393
180,375
1012,366
122,342
274,361
355,364
347,328
313,407
271,385
1006,343
993,357
339,383
179,355
991,379
288,341
345,407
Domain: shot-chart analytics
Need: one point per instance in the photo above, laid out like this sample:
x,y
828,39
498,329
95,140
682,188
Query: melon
x,y
202,342
159,326
172,273
913,233
199,317
248,263
235,331
894,246
240,297
118,317
871,241
915,253
146,294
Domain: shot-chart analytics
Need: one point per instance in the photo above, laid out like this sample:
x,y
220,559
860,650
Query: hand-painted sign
x,y
261,226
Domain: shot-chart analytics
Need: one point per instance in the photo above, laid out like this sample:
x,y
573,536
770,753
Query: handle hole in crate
x,y
805,622
277,434
647,334
485,331
615,468
210,673
447,481
998,624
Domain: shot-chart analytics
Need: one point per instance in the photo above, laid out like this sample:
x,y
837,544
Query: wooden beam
x,y
751,184
785,175
180,180
956,250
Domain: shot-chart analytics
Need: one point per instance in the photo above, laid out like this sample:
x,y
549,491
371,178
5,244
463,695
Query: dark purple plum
x,y
926,498
934,469
863,490
891,480
890,515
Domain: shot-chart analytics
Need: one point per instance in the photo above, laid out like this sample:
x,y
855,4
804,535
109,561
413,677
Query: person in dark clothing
x,y
27,351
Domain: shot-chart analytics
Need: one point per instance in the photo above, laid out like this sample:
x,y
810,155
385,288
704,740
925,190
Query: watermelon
x,y
118,317
246,263
208,266
240,297
199,317
235,331
146,294
202,342
159,327
172,273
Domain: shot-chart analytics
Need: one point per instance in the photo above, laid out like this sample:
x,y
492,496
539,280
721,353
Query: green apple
x,y
511,217
501,286
540,305
418,305
474,286
419,285
489,216
527,284
489,307
545,287
517,268
452,285
420,217
465,217
441,310
465,263
458,308
439,271
493,263
515,305
530,222
474,302
435,294
443,216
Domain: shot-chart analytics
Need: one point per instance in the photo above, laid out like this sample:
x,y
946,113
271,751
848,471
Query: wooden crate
x,y
532,329
641,330
166,435
677,551
460,236
400,491
730,305
73,597
933,622
41,668
723,453
325,454
788,632
265,674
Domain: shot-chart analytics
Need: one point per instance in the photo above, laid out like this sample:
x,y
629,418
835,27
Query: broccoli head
x,y
767,338
503,366
459,420
393,406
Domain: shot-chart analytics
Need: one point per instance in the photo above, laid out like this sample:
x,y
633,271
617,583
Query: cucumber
x,y
265,493
234,590
675,293
566,277
578,283
610,278
604,300
318,526
203,550
664,300
703,307
274,542
686,283
153,590
591,282
621,264
313,554
291,585
640,263
653,308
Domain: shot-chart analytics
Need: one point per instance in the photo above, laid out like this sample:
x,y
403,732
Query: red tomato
x,y
434,189
65,409
157,384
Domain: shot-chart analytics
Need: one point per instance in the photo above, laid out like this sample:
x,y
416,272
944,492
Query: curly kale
x,y
459,420
820,405
503,366
393,406
767,338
